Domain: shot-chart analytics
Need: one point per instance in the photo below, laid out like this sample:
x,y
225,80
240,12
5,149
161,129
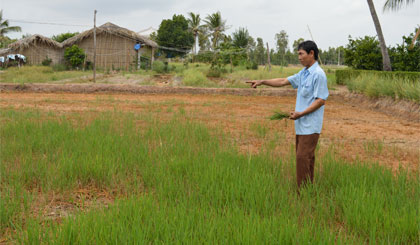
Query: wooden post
x,y
319,56
231,63
338,63
138,60
153,58
84,61
268,58
94,46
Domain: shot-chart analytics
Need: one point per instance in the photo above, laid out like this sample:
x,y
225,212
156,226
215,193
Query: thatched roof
x,y
5,51
113,30
34,39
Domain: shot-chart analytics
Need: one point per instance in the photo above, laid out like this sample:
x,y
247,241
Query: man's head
x,y
308,53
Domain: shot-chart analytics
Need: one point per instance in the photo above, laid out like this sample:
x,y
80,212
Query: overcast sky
x,y
330,21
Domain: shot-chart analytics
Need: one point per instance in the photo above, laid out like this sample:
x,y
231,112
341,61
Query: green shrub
x,y
204,57
88,65
214,72
363,53
252,65
47,61
63,36
74,56
342,76
160,67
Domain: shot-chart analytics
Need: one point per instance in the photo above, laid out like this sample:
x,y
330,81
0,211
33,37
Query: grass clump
x,y
279,115
195,79
378,86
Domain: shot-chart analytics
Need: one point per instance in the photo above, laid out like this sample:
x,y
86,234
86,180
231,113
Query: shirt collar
x,y
312,68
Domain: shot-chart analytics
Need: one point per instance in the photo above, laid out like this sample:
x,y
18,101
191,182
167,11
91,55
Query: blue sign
x,y
137,46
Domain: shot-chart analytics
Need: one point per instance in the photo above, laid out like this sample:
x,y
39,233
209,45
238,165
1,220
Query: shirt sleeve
x,y
294,80
321,87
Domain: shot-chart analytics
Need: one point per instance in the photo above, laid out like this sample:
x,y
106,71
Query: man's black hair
x,y
308,46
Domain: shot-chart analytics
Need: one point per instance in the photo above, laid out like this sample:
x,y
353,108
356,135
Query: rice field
x,y
115,169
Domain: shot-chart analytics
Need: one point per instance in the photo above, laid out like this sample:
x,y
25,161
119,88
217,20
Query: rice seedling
x,y
184,183
279,115
260,129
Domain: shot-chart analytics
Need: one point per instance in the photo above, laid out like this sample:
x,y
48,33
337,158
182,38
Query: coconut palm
x,y
396,4
5,28
241,38
216,26
386,62
195,27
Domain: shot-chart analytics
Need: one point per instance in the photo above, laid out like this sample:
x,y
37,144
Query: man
x,y
312,92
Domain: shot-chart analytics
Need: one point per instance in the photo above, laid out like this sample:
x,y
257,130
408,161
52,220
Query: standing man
x,y
312,92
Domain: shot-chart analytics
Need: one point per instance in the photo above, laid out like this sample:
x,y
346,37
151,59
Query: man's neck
x,y
309,65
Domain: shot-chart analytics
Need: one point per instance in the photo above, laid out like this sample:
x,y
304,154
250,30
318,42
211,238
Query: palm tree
x,y
396,4
195,27
216,25
386,62
5,28
241,38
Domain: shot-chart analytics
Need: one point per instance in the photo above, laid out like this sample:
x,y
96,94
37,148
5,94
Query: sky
x,y
330,21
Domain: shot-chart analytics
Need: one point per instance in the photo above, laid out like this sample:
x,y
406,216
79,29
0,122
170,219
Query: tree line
x,y
207,41
219,48
206,37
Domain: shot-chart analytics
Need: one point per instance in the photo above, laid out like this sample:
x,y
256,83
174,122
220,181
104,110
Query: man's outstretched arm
x,y
276,82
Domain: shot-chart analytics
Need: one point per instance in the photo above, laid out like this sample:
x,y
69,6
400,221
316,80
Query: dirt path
x,y
405,109
354,132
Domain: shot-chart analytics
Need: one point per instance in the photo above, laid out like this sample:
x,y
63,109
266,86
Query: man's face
x,y
305,58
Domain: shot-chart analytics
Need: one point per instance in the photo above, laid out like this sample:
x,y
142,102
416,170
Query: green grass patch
x,y
185,183
195,78
38,74
378,86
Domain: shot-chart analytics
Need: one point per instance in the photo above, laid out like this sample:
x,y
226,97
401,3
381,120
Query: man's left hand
x,y
294,115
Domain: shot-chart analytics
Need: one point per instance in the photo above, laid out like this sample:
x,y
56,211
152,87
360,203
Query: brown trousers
x,y
305,158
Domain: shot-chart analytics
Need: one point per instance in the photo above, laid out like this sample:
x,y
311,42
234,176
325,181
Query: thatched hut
x,y
36,48
114,46
5,51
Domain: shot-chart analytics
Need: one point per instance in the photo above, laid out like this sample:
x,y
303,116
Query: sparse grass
x,y
260,128
38,74
373,147
183,183
276,71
